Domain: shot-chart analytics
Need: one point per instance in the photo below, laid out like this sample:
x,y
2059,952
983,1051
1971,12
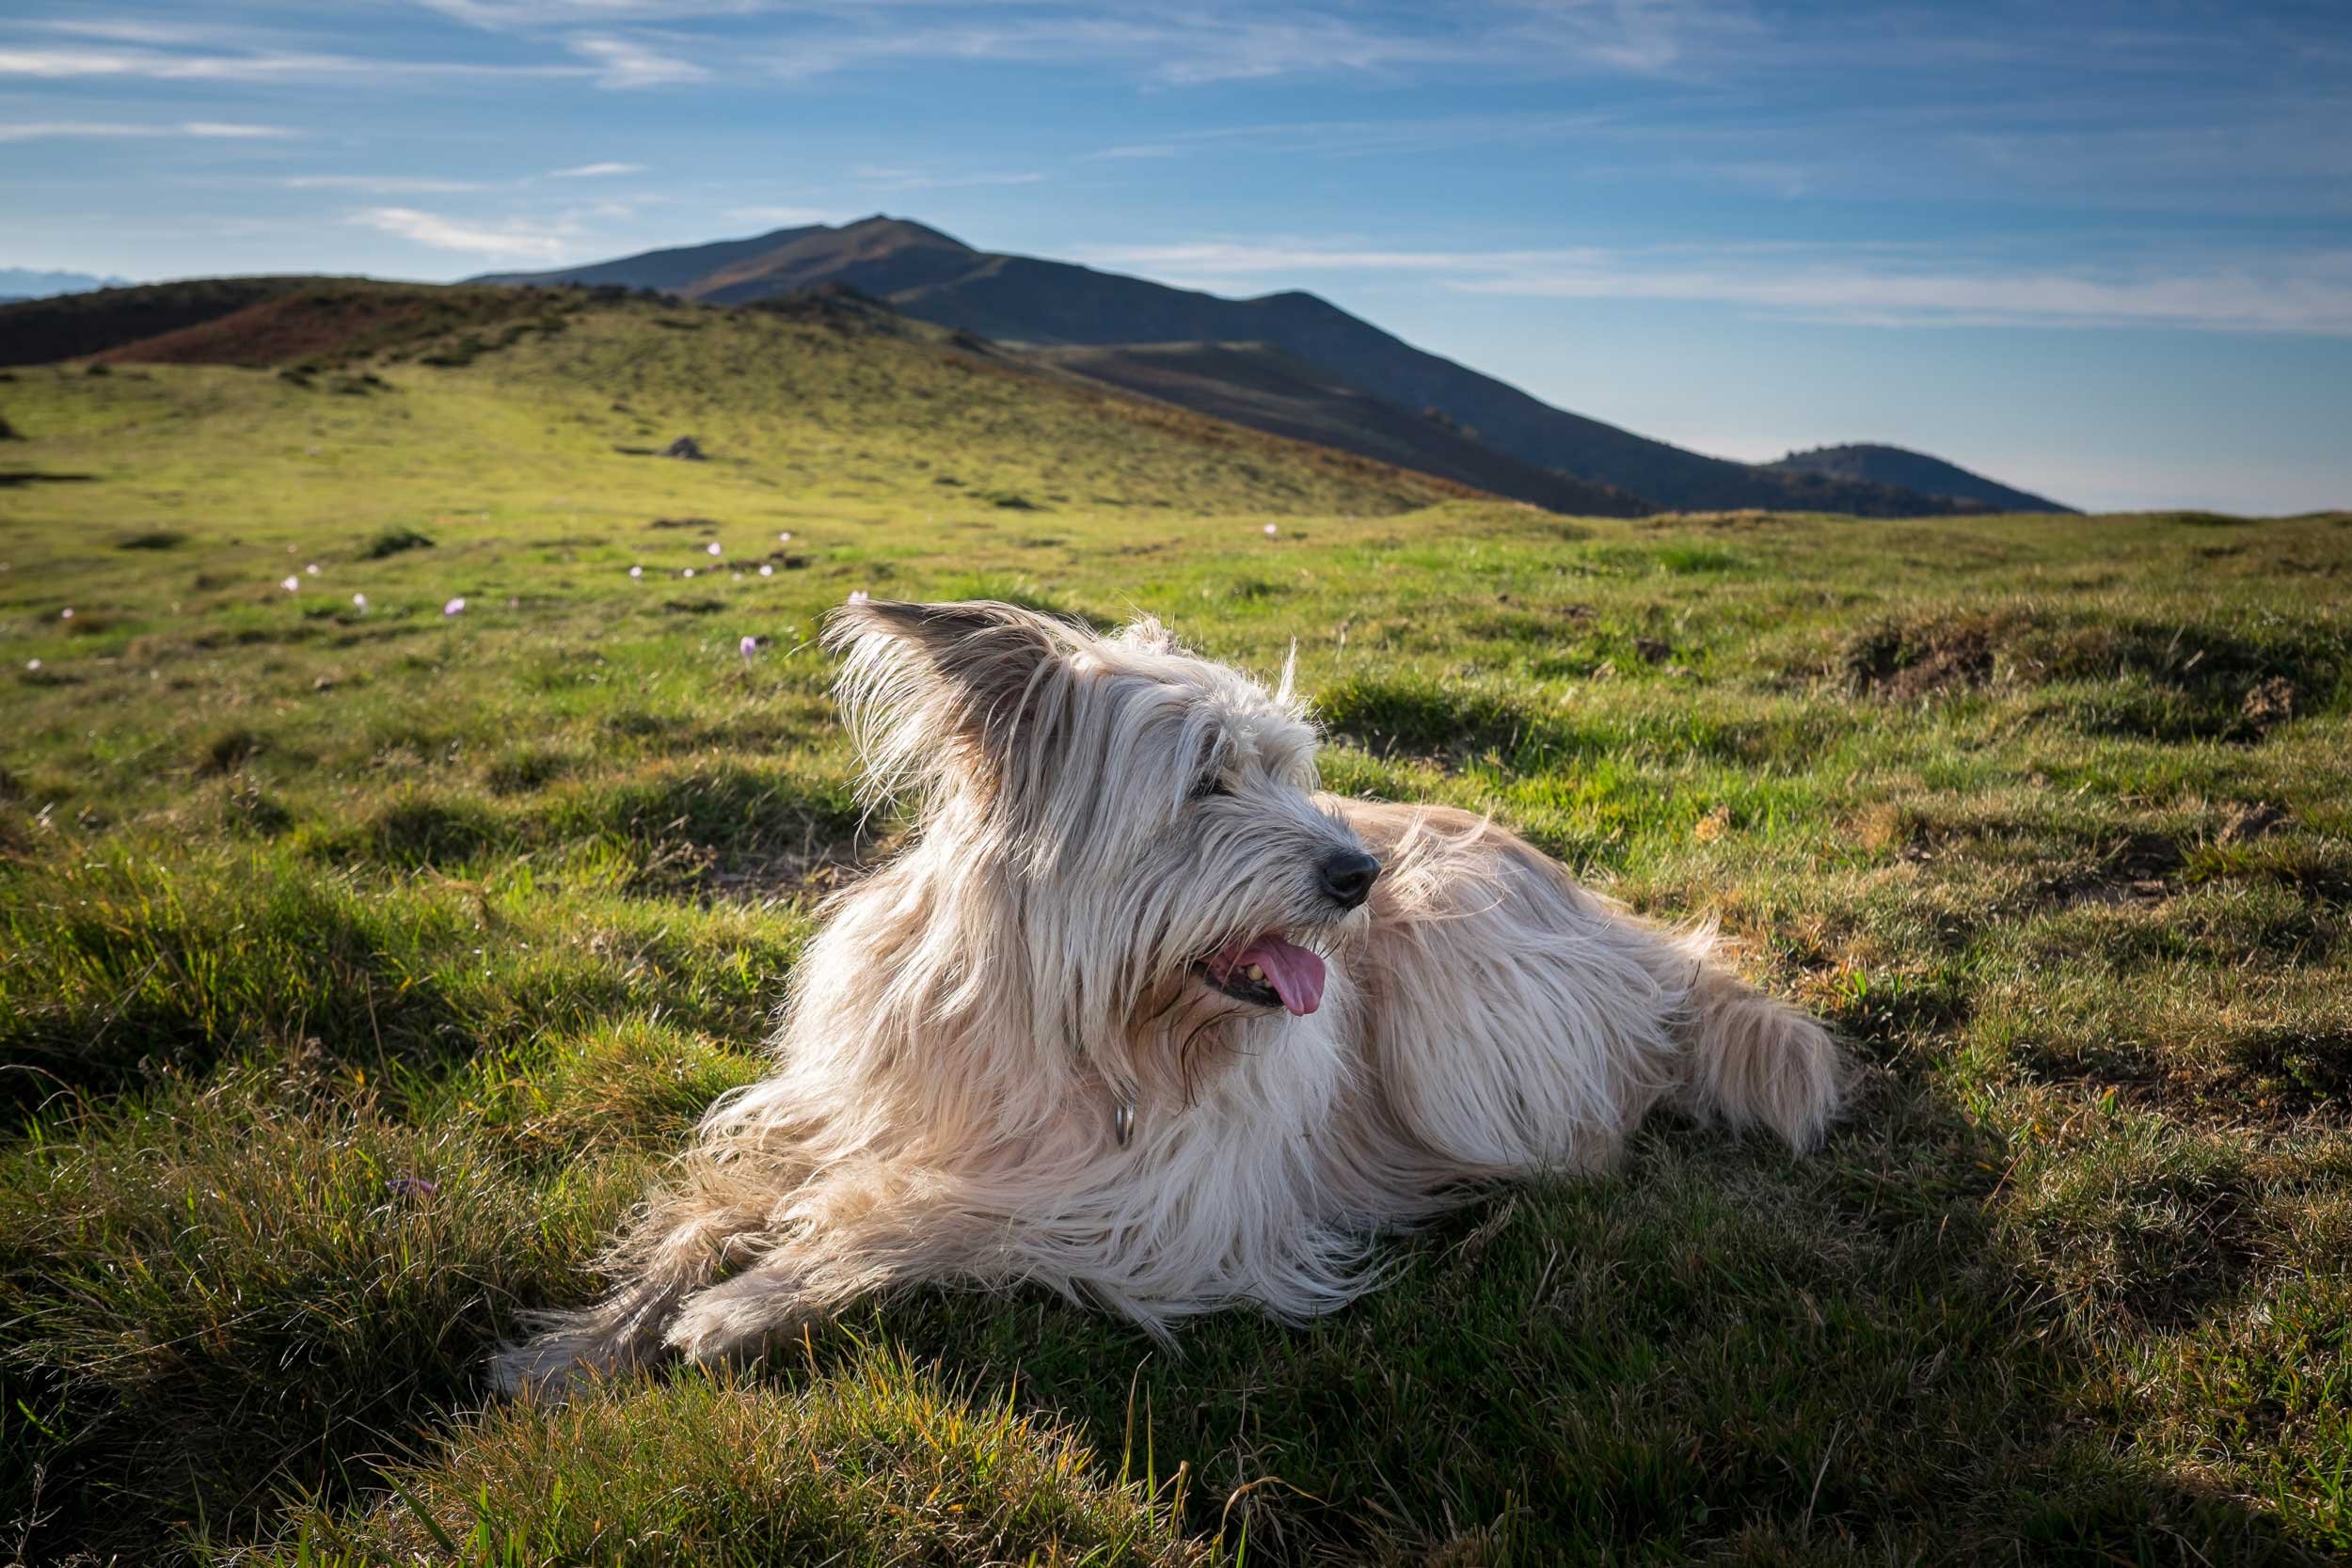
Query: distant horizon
x,y
2095,255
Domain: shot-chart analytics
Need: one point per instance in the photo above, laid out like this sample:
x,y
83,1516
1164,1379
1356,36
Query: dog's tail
x,y
1750,1060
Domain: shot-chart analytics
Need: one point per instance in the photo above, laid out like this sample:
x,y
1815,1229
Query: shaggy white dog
x,y
1140,1015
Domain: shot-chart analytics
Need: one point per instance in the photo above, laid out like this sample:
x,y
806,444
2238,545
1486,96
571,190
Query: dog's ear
x,y
1146,635
944,695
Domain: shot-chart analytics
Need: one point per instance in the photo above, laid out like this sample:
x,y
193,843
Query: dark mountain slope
x,y
68,326
1267,390
1913,470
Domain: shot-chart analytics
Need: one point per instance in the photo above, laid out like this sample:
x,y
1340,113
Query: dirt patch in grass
x,y
395,540
2137,868
153,539
1912,661
228,750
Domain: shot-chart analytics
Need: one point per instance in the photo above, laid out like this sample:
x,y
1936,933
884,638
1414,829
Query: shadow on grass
x,y
1717,1353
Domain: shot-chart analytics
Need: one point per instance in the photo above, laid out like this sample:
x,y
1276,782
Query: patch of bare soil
x,y
1912,662
2139,869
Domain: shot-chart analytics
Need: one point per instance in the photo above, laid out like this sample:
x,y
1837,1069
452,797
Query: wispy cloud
x,y
519,15
380,184
58,64
512,239
1224,41
875,177
594,171
1892,286
44,130
622,62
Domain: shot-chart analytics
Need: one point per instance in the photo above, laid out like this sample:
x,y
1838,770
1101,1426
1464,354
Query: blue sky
x,y
2102,251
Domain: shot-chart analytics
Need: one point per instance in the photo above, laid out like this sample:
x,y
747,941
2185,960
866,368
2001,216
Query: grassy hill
x,y
1912,471
358,963
1027,300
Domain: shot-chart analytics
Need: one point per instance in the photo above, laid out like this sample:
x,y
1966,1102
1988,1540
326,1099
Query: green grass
x,y
357,967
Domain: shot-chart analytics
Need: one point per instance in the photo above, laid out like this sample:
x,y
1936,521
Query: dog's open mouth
x,y
1267,971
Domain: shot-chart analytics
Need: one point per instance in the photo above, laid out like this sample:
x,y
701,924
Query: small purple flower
x,y
748,648
66,615
411,1186
455,606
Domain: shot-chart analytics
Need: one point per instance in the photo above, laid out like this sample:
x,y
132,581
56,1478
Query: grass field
x,y
358,964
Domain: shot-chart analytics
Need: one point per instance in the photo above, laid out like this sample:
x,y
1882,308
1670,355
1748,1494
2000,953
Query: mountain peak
x,y
903,229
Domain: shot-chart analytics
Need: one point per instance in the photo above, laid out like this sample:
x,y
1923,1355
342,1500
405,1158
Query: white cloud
x,y
379,185
512,15
523,241
627,63
45,130
1894,286
593,171
232,131
256,66
877,178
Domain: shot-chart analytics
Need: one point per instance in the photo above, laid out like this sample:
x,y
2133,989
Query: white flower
x,y
455,606
311,570
689,572
66,615
735,577
289,583
712,546
859,596
637,571
360,600
767,571
785,538
1271,531
32,664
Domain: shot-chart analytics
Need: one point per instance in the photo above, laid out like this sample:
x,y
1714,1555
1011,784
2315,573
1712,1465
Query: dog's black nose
x,y
1347,877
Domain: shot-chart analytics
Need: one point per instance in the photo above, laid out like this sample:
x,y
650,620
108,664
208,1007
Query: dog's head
x,y
1151,815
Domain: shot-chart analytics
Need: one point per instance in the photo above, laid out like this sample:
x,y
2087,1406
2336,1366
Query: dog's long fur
x,y
1095,818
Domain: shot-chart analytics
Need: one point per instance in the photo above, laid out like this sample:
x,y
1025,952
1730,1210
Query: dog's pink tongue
x,y
1296,974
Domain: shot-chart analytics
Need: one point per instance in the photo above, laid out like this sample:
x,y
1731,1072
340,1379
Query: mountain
x,y
1913,470
29,284
1267,390
1024,300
